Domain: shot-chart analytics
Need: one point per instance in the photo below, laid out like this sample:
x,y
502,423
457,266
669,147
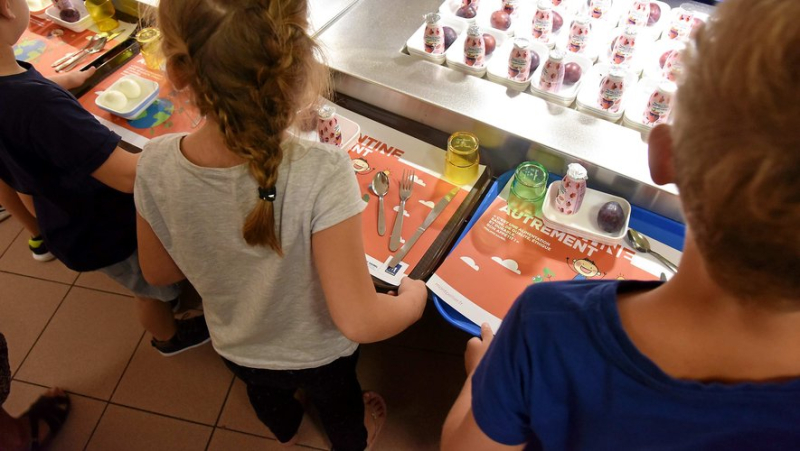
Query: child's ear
x,y
5,9
177,73
660,159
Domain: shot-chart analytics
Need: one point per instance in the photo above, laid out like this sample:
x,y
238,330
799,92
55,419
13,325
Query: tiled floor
x,y
79,332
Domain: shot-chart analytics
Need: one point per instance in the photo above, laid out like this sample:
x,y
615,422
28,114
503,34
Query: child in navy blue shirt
x,y
711,359
81,184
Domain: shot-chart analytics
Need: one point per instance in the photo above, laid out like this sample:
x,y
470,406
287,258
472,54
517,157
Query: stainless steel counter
x,y
324,12
365,47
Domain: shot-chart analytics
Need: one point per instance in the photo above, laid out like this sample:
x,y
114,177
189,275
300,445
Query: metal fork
x,y
406,187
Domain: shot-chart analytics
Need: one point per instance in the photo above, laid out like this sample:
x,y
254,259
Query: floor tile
x,y
238,415
124,429
99,281
83,417
419,388
191,385
17,259
27,305
224,440
87,344
9,229
433,333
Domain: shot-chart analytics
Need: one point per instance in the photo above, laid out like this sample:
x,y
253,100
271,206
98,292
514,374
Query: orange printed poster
x,y
505,251
380,148
172,112
44,43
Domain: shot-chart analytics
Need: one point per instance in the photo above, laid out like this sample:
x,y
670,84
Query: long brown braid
x,y
252,66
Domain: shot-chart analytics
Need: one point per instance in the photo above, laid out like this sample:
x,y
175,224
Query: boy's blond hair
x,y
737,147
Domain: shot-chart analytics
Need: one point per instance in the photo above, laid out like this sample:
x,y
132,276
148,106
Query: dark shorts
x,y
5,371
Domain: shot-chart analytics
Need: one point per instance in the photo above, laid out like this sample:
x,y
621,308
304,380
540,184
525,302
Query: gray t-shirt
x,y
263,311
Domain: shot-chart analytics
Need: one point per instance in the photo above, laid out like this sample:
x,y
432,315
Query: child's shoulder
x,y
38,92
321,158
158,150
566,297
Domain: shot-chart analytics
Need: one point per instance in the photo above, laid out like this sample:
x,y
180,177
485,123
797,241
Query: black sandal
x,y
53,410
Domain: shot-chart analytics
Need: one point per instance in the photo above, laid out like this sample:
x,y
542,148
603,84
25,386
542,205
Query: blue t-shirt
x,y
49,147
562,374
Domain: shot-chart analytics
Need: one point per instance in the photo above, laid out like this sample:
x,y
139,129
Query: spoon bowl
x,y
379,187
640,243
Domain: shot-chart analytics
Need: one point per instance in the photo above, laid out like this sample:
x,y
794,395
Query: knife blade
x,y
437,210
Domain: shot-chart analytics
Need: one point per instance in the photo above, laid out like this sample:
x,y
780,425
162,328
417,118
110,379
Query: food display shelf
x,y
366,48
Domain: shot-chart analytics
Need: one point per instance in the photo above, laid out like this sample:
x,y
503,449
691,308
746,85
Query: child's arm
x,y
118,171
362,315
72,79
158,267
460,430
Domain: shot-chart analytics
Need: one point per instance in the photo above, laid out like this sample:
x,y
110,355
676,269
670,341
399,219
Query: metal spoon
x,y
89,43
72,62
641,244
379,187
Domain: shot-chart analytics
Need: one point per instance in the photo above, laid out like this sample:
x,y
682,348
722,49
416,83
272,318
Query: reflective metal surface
x,y
324,12
365,47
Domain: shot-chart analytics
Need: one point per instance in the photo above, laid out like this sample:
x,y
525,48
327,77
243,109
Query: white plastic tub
x,y
78,27
584,222
416,43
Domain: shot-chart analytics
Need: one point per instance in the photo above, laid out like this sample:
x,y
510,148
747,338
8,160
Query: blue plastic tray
x,y
660,228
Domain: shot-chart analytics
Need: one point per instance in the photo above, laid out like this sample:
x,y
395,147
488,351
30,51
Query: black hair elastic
x,y
267,194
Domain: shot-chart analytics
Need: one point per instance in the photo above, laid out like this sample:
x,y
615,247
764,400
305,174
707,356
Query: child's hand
x,y
416,292
73,79
476,348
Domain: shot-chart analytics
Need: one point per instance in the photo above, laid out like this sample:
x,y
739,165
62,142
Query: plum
x,y
696,26
534,61
501,20
663,60
491,43
558,21
572,73
655,14
611,217
467,12
450,37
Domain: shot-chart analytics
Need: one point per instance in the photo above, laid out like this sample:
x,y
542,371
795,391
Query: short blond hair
x,y
737,147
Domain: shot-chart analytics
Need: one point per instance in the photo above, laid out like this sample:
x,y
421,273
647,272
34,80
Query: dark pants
x,y
333,389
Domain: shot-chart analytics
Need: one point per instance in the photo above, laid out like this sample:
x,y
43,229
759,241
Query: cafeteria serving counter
x,y
365,47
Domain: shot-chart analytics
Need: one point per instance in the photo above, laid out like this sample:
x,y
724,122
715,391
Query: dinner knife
x,y
437,210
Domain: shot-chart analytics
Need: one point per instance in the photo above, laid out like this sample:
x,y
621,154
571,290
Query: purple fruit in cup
x,y
467,12
534,61
491,43
450,37
572,73
558,21
655,14
611,217
501,20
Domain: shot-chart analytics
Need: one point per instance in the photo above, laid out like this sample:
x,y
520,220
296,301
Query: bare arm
x,y
72,79
158,267
460,430
119,170
362,315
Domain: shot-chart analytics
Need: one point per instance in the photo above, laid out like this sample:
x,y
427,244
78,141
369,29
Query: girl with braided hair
x,y
265,226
